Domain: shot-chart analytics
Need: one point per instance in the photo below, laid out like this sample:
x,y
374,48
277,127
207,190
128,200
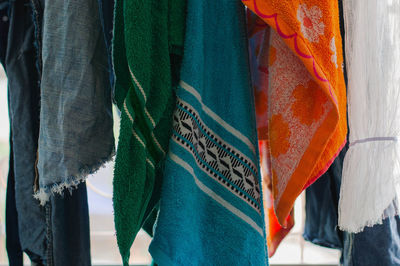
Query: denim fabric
x,y
70,232
106,9
322,207
57,234
66,217
4,24
377,245
37,17
76,127
13,245
23,95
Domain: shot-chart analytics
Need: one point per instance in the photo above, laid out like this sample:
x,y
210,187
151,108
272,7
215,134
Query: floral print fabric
x,y
259,37
311,25
302,109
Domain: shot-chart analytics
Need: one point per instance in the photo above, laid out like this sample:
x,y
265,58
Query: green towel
x,y
147,47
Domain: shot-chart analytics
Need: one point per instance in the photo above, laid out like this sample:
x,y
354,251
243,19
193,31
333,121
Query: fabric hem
x,y
299,177
356,229
71,182
319,242
279,237
159,256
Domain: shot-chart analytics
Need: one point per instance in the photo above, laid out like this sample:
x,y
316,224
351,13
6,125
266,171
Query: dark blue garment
x,y
4,25
13,245
23,96
322,200
106,9
57,234
70,234
377,245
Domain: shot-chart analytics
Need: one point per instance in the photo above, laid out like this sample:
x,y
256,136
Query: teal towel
x,y
211,212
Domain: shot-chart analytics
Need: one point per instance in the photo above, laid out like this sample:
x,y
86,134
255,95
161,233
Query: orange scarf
x,y
306,99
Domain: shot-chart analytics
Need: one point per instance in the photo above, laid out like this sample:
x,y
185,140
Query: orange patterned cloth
x,y
259,37
275,231
306,123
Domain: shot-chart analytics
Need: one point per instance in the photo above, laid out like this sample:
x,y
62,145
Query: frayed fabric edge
x,y
371,223
392,210
72,182
370,185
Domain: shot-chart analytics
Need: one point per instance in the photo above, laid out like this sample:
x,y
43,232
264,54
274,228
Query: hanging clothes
x,y
106,11
372,166
63,213
211,210
25,223
322,197
307,95
28,225
258,33
30,228
4,25
13,243
377,245
147,47
322,200
76,124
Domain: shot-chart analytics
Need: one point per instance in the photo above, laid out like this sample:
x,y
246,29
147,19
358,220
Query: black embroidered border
x,y
236,171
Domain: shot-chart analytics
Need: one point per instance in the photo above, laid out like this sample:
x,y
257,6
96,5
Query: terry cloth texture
x,y
259,38
306,96
76,126
147,46
211,210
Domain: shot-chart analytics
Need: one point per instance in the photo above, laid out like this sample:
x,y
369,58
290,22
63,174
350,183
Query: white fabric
x,y
371,166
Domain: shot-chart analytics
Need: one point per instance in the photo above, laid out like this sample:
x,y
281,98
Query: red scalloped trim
x,y
297,49
300,53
